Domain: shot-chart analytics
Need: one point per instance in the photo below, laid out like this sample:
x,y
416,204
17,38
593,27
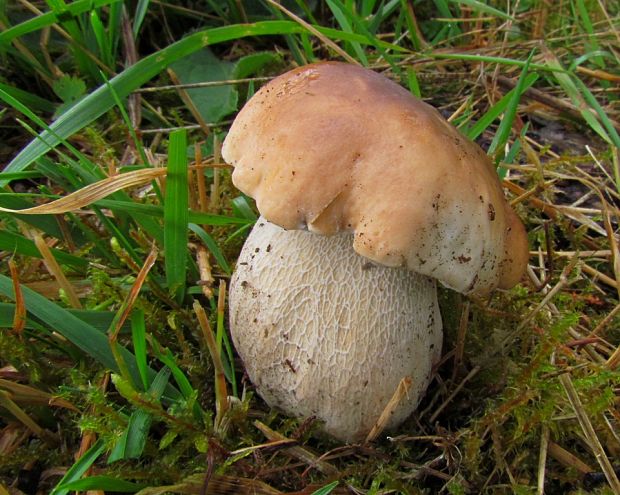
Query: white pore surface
x,y
324,332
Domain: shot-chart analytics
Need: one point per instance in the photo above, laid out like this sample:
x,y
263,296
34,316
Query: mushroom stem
x,y
324,332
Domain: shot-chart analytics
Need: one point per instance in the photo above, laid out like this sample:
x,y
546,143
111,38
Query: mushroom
x,y
374,196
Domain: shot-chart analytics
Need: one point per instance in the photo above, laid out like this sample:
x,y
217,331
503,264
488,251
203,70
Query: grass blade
x,y
326,489
21,245
505,127
487,9
100,101
138,335
167,358
242,208
593,102
49,18
176,215
567,82
81,334
346,26
45,223
212,246
101,483
413,83
496,110
20,175
469,57
101,37
222,338
76,471
157,211
32,101
141,10
412,25
100,320
360,27
587,24
132,443
187,390
451,29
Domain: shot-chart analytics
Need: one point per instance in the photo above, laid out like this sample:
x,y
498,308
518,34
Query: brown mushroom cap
x,y
336,147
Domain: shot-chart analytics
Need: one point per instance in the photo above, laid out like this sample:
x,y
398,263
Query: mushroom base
x,y
324,332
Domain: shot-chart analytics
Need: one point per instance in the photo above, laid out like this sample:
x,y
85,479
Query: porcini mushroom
x,y
329,326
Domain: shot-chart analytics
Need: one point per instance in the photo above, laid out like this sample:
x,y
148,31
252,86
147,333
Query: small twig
x,y
567,369
204,268
548,209
563,282
469,376
299,452
209,471
601,253
166,130
131,58
605,321
206,84
459,110
460,339
189,103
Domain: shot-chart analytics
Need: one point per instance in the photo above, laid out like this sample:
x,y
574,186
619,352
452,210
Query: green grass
x,y
530,376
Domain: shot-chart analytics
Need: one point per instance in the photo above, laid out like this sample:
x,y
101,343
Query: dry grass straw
x,y
19,320
125,311
25,394
56,271
218,484
560,271
105,187
542,460
7,402
206,274
591,436
221,389
400,394
202,200
93,192
299,453
215,187
324,39
568,459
